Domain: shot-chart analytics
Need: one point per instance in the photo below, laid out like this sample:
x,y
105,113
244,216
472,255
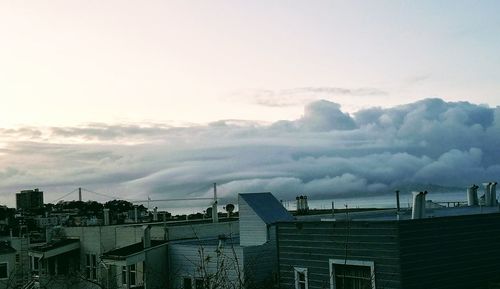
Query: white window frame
x,y
128,269
35,265
91,266
124,275
296,272
331,262
7,272
133,273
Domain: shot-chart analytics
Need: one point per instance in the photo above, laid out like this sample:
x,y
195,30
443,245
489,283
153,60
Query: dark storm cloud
x,y
326,152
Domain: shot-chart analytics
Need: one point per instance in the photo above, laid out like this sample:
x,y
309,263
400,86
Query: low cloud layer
x,y
325,153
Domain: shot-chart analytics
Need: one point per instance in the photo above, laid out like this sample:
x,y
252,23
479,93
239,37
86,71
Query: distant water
x,y
379,201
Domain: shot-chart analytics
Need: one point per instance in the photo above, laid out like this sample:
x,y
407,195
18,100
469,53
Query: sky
x,y
150,98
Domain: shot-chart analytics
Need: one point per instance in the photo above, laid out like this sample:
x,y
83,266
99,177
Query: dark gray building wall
x,y
312,244
450,252
29,199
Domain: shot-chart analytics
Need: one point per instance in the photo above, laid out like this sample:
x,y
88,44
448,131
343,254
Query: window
x,y
199,283
35,265
132,275
187,283
91,266
133,272
300,278
4,271
352,274
124,275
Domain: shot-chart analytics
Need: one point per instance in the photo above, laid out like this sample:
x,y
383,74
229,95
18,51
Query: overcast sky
x,y
325,97
74,62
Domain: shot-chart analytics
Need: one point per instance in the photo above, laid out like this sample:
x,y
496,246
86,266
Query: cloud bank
x,y
324,153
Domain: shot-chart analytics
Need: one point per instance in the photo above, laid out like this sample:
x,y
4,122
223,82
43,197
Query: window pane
x,y
3,270
35,263
124,275
198,283
352,277
132,278
187,283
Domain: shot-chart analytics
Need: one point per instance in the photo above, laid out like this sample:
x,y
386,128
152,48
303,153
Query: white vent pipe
x,y
418,210
493,194
487,195
106,216
155,214
472,199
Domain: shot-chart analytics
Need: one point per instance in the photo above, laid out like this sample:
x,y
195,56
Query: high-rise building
x,y
29,199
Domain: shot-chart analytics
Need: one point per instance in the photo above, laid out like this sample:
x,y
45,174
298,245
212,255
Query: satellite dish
x,y
229,208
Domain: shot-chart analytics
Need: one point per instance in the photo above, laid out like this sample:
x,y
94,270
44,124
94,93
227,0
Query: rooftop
x,y
267,207
404,214
123,252
231,241
54,245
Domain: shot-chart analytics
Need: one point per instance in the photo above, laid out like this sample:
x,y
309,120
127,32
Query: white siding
x,y
186,261
253,230
10,259
99,240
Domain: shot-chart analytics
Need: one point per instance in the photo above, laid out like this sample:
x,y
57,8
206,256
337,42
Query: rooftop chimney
x,y
493,194
472,199
146,240
106,216
155,214
398,205
423,204
487,194
418,210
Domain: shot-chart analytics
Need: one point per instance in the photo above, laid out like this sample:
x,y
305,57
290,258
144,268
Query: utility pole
x,y
215,215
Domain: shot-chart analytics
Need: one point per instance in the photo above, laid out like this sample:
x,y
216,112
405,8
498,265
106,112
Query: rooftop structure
x,y
436,248
267,207
29,199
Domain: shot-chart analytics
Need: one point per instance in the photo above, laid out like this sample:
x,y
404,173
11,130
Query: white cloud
x,y
324,153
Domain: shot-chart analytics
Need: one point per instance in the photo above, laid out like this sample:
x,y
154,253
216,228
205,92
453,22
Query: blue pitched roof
x,y
267,207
